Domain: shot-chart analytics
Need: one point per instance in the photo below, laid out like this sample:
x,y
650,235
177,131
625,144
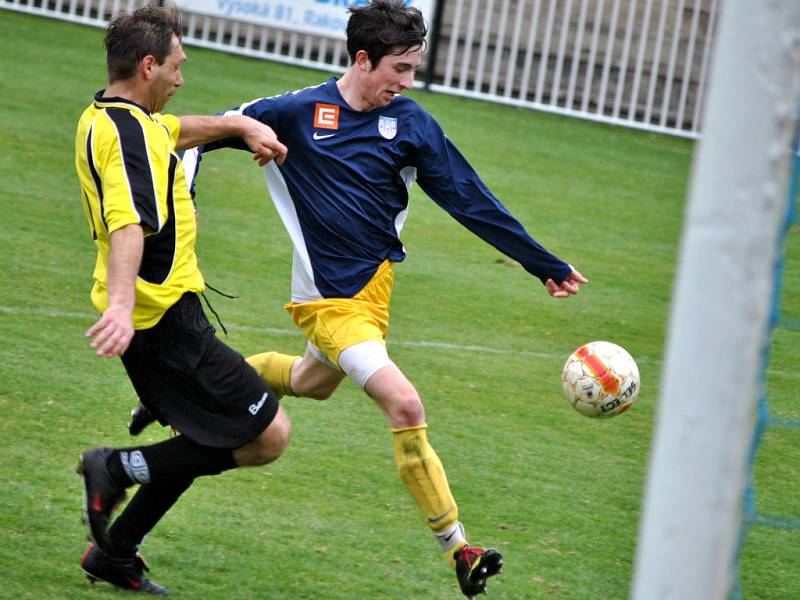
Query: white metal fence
x,y
641,63
637,63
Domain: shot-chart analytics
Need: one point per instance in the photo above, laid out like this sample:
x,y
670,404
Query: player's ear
x,y
362,61
146,66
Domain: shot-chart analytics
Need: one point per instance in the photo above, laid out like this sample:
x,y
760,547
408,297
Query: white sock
x,y
452,537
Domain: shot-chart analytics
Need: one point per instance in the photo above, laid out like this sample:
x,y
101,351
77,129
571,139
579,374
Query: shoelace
x,y
470,554
211,308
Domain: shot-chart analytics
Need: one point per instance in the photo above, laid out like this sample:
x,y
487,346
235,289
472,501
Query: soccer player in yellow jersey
x,y
146,282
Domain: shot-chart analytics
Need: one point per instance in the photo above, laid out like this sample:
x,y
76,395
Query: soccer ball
x,y
600,379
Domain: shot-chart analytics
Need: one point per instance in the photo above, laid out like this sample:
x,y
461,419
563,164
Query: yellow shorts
x,y
334,324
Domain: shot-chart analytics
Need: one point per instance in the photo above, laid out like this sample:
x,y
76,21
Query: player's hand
x,y
263,141
112,332
569,287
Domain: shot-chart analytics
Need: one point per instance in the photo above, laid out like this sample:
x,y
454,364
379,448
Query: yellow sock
x,y
275,369
423,474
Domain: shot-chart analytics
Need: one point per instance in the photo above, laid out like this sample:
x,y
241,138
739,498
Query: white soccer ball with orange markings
x,y
600,379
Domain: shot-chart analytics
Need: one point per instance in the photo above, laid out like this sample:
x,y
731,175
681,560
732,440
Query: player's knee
x,y
269,445
406,410
276,436
269,449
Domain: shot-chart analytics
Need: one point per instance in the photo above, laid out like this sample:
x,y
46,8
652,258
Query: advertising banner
x,y
319,17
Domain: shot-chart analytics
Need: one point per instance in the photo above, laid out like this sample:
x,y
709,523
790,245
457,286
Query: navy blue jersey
x,y
342,192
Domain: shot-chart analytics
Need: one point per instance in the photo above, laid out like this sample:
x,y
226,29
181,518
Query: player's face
x,y
167,77
393,75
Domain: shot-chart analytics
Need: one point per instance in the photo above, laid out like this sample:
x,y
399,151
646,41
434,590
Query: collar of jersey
x,y
104,102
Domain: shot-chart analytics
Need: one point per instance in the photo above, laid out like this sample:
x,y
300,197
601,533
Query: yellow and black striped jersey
x,y
129,174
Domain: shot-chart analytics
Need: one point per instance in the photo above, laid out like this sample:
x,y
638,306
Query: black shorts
x,y
190,379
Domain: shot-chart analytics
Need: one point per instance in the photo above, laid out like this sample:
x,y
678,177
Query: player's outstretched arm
x,y
569,287
260,138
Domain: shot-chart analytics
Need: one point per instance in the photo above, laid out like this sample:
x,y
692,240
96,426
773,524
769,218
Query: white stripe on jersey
x,y
189,160
408,174
303,286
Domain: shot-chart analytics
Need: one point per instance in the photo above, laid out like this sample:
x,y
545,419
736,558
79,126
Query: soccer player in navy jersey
x,y
355,146
146,285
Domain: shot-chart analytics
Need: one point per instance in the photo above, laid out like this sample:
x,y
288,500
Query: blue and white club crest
x,y
387,126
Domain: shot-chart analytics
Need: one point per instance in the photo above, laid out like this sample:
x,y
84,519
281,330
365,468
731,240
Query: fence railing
x,y
640,63
637,63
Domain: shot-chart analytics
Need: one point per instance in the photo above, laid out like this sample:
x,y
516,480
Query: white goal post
x,y
719,322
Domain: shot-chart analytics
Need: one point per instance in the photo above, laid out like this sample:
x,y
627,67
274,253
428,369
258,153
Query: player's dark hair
x,y
384,27
131,37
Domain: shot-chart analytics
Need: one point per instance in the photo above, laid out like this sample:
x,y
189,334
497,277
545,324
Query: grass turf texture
x,y
559,494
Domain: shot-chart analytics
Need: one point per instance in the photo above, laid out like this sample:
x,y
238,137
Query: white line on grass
x,y
59,314
56,314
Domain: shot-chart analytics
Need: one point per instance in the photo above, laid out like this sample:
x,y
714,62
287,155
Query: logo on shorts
x,y
326,116
254,408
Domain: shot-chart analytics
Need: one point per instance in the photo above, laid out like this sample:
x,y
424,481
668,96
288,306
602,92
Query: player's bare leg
x,y
312,378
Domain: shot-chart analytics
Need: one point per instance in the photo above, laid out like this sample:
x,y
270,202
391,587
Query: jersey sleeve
x,y
445,175
261,109
123,163
172,125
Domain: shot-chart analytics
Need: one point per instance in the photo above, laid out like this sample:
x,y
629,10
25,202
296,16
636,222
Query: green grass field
x,y
558,493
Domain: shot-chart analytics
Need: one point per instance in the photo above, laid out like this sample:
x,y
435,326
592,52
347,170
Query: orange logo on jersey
x,y
326,116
